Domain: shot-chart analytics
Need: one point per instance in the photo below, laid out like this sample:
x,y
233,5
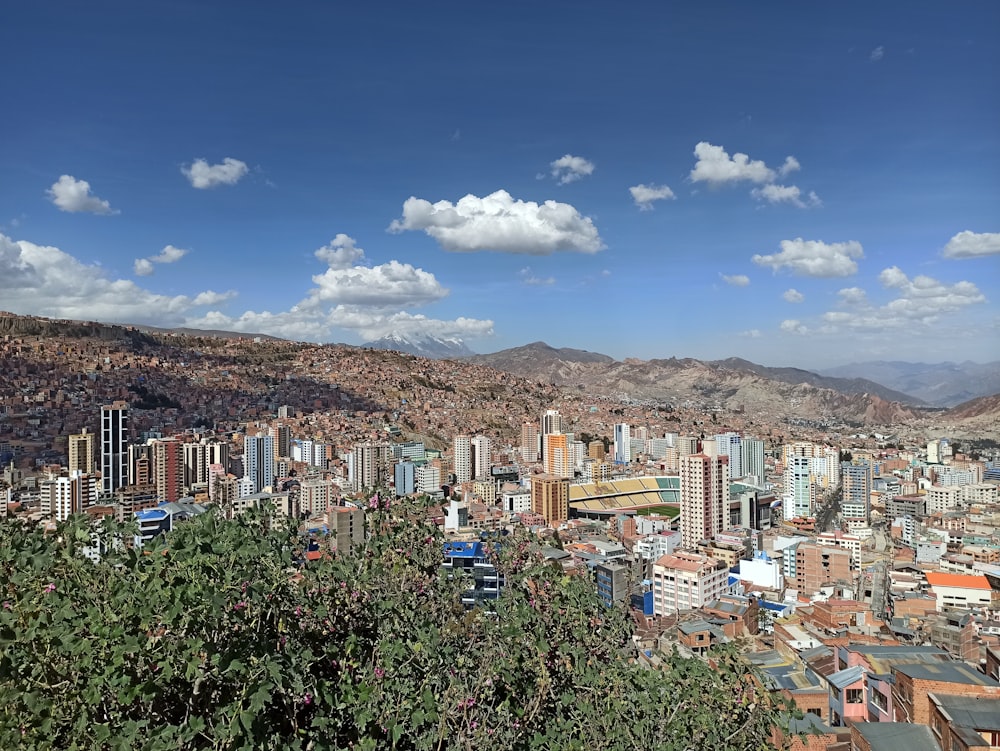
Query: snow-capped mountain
x,y
423,346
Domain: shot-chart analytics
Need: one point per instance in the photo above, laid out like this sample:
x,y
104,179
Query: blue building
x,y
471,560
405,478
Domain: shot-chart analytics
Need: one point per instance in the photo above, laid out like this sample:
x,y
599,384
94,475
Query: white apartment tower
x,y
623,444
462,458
704,497
482,450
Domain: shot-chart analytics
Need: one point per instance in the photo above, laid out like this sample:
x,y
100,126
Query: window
x,y
855,696
880,701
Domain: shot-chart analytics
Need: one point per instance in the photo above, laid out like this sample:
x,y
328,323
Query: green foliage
x,y
218,638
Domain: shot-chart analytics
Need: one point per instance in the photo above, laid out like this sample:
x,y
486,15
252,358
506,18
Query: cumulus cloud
x,y
499,222
44,280
169,254
208,297
715,166
774,193
793,296
751,333
341,252
73,196
972,245
920,302
645,195
386,285
142,267
792,326
736,280
373,325
569,168
814,258
877,54
203,175
791,165
528,277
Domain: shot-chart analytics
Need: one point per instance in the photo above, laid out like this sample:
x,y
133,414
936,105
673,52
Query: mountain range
x,y
940,384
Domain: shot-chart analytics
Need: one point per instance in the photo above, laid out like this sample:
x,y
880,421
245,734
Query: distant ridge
x,y
944,384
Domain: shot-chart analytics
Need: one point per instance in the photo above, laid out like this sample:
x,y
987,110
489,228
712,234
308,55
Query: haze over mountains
x,y
941,384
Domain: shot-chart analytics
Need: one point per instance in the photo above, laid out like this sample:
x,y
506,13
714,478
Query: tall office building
x,y
168,468
482,450
704,497
529,442
462,458
258,462
64,496
428,478
404,478
371,464
623,444
80,452
752,460
596,450
282,435
856,481
728,444
114,446
687,445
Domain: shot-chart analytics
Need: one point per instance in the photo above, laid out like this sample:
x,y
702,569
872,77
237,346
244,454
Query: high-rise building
x,y
687,445
552,422
800,490
482,451
622,445
258,461
704,497
596,450
64,496
550,497
529,442
428,478
168,468
371,465
114,446
282,435
856,481
557,457
752,460
80,452
728,444
462,458
404,478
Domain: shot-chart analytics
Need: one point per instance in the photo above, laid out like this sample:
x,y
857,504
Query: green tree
x,y
219,637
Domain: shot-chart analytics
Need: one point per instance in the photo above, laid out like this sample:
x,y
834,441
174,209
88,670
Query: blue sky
x,y
796,184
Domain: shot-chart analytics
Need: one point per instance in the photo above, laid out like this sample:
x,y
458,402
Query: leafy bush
x,y
219,638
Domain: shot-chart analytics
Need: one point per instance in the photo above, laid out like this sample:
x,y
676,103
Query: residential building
x,y
550,497
481,458
80,452
959,591
856,482
370,465
462,458
685,581
622,444
704,497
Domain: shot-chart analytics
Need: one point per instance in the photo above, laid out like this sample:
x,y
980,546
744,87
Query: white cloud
x,y
499,222
877,54
774,193
645,195
736,280
203,175
528,277
142,267
43,280
968,244
792,326
208,297
371,325
73,196
919,303
341,252
386,285
715,166
814,258
169,254
569,168
751,333
791,165
793,296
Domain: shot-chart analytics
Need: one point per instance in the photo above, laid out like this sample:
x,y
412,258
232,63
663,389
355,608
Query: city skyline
x,y
791,185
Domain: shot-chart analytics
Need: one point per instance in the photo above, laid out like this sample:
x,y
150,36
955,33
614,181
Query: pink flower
x,y
379,673
307,699
50,588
